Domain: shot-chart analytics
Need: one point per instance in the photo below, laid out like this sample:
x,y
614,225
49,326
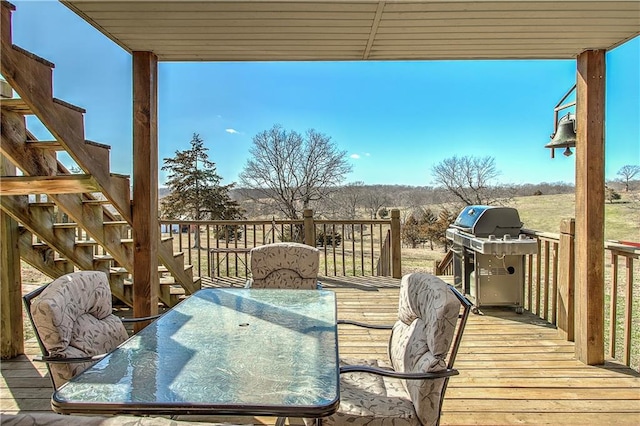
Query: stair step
x,y
16,105
98,144
116,223
33,56
96,202
102,257
65,225
176,290
85,243
168,281
44,145
54,145
68,105
42,204
20,106
118,271
66,184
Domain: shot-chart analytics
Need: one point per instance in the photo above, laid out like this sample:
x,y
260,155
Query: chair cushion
x,y
285,265
420,339
73,319
370,399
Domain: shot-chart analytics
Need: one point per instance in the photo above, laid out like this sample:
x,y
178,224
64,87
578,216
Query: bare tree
x,y
470,179
293,170
345,201
374,198
627,173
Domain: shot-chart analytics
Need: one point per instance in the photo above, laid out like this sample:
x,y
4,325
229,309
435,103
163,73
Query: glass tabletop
x,y
221,351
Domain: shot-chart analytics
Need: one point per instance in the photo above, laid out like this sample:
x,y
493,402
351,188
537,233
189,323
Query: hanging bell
x,y
565,135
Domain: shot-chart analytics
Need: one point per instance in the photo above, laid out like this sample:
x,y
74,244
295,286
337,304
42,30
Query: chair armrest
x,y
58,360
399,375
362,324
141,319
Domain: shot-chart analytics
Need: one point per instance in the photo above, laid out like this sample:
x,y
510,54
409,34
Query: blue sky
x,y
395,119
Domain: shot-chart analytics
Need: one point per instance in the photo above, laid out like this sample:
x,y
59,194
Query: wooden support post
x,y
396,255
566,280
589,270
5,24
309,228
11,328
145,185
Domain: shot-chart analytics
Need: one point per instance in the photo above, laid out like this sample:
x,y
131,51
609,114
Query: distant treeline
x,y
407,195
365,201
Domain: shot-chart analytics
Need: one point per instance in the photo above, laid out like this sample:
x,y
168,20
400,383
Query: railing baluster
x,y
324,246
529,281
208,249
626,357
380,250
362,248
546,280
333,248
372,256
538,272
189,244
613,305
353,248
245,230
216,254
554,284
344,272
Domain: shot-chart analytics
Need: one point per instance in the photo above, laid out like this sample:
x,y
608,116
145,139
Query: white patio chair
x,y
410,389
73,322
284,265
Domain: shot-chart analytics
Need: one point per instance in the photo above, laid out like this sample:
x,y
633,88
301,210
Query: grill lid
x,y
482,221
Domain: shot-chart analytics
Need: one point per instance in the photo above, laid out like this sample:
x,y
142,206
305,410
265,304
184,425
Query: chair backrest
x,y
428,312
72,318
285,265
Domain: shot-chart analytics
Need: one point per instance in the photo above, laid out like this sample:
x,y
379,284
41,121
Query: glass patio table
x,y
221,351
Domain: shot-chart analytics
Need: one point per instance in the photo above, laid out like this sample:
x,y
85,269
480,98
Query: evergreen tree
x,y
195,189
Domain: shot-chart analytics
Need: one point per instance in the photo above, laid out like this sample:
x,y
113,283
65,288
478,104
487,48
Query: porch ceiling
x,y
269,30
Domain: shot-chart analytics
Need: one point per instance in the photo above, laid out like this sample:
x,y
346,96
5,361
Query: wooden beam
x,y
69,184
589,273
11,329
145,184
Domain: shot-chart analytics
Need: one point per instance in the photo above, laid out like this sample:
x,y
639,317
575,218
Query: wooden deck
x,y
513,368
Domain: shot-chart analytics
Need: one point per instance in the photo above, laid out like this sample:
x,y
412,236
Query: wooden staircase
x,y
95,203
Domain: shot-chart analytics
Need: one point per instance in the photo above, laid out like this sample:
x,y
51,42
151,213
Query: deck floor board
x,y
514,369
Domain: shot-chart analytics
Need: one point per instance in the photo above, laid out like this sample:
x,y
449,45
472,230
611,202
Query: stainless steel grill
x,y
489,253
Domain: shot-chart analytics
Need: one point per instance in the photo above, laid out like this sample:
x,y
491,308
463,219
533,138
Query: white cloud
x,y
366,154
355,156
232,131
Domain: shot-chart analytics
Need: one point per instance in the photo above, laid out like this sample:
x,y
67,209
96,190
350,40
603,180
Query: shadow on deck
x,y
514,369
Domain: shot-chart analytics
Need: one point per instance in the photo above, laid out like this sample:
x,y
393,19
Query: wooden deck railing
x,y
220,248
549,290
623,303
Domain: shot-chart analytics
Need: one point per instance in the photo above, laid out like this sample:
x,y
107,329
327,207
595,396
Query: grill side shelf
x,y
519,246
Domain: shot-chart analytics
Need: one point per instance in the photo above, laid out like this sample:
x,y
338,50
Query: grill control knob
x,y
492,237
522,237
506,237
